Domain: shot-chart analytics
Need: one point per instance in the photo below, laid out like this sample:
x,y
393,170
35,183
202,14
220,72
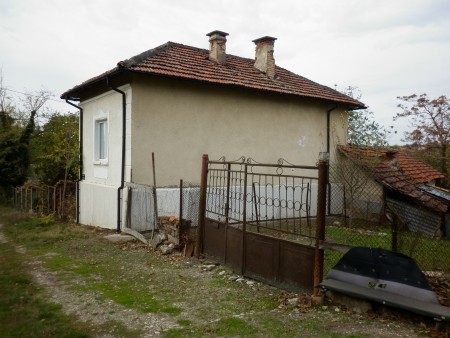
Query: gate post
x,y
227,204
244,223
320,227
202,206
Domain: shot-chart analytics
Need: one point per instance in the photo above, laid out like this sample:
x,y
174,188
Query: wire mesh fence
x,y
41,200
362,213
140,207
144,207
181,201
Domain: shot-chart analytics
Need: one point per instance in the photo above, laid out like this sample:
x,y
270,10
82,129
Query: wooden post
x,y
180,216
155,199
202,207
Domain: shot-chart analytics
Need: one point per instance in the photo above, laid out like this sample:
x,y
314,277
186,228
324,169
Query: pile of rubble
x,y
172,235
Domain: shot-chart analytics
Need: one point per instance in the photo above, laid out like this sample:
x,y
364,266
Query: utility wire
x,y
17,92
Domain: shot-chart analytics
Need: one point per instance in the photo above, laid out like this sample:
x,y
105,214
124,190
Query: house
x,y
404,186
180,102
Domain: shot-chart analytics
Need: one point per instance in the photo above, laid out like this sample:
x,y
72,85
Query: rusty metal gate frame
x,y
238,225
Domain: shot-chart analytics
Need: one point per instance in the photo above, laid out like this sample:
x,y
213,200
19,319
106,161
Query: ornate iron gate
x,y
266,221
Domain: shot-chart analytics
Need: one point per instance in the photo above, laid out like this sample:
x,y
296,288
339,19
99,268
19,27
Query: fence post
x,y
227,204
244,222
155,199
320,227
394,232
202,206
180,221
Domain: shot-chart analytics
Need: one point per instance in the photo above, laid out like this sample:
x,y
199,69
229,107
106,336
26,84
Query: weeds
x,y
198,303
23,313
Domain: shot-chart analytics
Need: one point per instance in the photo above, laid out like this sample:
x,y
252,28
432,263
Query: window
x,y
101,140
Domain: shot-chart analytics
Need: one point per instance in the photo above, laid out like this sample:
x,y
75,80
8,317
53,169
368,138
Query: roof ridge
x,y
173,59
137,59
144,55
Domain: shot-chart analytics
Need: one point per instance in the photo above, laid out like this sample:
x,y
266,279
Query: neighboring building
x,y
181,102
403,186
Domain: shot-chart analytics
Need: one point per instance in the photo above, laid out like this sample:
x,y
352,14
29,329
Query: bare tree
x,y
353,175
16,130
6,105
430,119
36,100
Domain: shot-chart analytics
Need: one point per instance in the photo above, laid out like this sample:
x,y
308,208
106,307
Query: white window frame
x,y
101,135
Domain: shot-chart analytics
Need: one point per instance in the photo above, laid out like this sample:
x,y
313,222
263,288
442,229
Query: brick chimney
x,y
217,42
264,60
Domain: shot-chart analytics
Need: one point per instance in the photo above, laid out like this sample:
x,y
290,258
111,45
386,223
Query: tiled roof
x,y
180,61
398,171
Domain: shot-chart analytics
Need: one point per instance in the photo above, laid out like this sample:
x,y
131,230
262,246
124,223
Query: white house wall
x,y
98,189
98,205
180,121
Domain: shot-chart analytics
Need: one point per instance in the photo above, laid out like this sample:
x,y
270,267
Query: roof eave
x,y
74,93
348,105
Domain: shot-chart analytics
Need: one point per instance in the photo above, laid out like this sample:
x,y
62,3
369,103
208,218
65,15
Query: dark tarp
x,y
385,277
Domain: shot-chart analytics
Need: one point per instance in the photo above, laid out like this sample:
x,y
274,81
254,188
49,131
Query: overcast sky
x,y
387,48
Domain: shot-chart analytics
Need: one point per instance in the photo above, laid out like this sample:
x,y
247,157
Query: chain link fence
x,y
362,213
181,202
140,207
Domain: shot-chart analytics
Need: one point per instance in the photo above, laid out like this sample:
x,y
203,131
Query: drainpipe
x,y
80,172
328,151
122,175
328,127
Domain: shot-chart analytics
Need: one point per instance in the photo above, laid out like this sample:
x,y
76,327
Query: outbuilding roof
x,y
185,62
398,171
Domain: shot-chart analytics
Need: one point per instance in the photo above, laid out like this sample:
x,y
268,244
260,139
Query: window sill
x,y
101,163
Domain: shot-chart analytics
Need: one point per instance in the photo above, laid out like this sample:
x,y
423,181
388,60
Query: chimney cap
x,y
216,32
264,38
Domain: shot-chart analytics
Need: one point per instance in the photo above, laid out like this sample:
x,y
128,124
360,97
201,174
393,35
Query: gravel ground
x,y
205,292
88,307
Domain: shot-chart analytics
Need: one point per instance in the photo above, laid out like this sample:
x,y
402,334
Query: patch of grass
x,y
22,312
217,282
129,297
59,262
233,327
116,329
349,236
184,322
178,333
38,233
275,326
229,327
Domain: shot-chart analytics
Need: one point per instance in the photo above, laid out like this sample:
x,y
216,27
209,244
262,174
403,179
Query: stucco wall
x,y
98,189
98,205
180,121
109,106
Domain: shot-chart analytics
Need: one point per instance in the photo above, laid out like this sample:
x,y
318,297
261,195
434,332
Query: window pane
x,y
102,141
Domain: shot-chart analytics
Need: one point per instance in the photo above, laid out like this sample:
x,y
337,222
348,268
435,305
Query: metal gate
x,y
266,221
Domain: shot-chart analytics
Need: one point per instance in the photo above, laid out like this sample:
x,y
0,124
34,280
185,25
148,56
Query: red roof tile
x,y
180,61
397,171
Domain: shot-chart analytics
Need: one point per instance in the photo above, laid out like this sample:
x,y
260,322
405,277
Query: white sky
x,y
387,48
